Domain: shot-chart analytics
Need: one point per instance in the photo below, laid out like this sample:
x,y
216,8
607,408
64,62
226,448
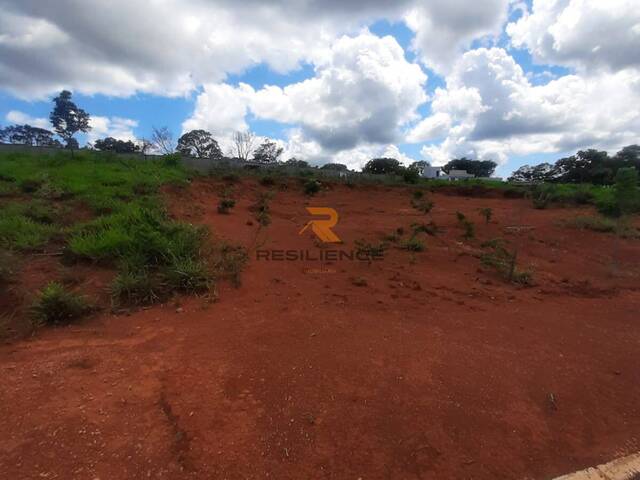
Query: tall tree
x,y
340,167
294,162
419,166
111,144
381,166
267,152
162,140
199,143
477,168
68,119
243,143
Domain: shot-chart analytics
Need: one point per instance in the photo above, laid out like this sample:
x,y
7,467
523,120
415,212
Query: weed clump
x,y
486,213
412,244
469,229
422,204
56,305
504,262
225,205
261,209
369,251
137,287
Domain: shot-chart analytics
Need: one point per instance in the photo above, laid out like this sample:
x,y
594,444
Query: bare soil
x,y
434,367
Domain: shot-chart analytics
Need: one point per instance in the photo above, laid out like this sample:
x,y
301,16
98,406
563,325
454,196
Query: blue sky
x,y
202,83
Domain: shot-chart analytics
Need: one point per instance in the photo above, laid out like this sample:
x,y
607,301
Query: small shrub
x,y
469,229
429,228
261,209
410,175
136,287
418,194
230,262
423,205
368,250
541,200
56,305
504,262
311,187
225,205
486,213
412,244
620,227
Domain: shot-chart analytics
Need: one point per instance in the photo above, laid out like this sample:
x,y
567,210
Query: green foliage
x,y
486,213
137,287
188,275
381,166
311,187
478,168
267,181
172,160
56,305
20,230
627,195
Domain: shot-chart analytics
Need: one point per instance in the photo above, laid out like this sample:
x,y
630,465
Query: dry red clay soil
x,y
435,369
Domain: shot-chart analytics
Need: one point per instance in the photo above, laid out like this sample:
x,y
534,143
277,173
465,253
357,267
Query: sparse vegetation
x,y
429,228
421,204
137,287
620,227
486,213
225,205
261,209
504,262
369,250
468,227
56,305
311,187
412,244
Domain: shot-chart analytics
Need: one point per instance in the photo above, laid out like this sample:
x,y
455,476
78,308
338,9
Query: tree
x,y
67,119
381,166
111,144
162,140
267,152
72,144
334,166
419,166
199,143
28,135
294,162
477,168
243,143
536,174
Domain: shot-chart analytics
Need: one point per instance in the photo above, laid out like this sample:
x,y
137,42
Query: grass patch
x,y
468,228
261,209
620,227
56,305
311,187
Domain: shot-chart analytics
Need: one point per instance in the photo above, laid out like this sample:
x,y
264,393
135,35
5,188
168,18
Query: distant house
x,y
432,172
437,172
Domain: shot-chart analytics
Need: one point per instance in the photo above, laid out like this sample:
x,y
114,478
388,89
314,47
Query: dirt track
x,y
436,369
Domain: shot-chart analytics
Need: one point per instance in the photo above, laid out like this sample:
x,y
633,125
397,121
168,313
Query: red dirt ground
x,y
436,369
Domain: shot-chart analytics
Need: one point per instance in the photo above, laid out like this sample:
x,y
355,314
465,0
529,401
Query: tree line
x,y
586,166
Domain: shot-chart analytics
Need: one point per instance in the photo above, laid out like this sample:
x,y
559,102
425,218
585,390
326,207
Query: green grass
x,y
130,229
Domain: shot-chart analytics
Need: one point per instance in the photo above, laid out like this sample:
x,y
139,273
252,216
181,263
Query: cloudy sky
x,y
337,80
